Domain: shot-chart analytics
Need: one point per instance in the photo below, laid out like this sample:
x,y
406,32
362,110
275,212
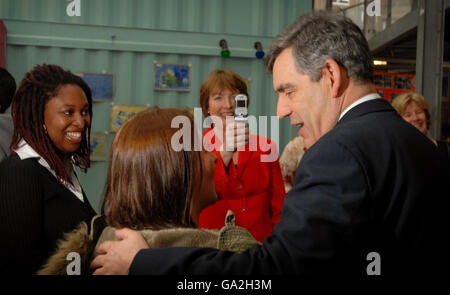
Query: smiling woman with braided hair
x,y
41,197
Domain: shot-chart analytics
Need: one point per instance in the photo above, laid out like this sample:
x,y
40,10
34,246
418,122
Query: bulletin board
x,y
101,84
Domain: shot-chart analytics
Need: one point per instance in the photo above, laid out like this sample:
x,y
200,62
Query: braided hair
x,y
37,87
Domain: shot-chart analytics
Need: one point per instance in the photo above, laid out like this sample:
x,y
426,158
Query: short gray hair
x,y
318,36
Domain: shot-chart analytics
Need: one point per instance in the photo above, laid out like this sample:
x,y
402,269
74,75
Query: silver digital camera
x,y
240,109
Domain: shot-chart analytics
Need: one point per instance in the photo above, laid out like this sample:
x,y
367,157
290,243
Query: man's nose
x,y
282,108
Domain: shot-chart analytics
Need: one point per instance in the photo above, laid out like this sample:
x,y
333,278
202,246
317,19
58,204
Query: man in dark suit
x,y
7,91
370,194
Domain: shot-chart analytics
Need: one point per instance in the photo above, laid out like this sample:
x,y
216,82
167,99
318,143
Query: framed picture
x,y
170,76
99,146
122,112
101,84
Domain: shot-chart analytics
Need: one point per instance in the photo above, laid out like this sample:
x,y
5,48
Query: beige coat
x,y
85,242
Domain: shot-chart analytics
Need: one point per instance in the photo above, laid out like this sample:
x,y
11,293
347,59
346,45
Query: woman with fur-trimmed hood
x,y
157,184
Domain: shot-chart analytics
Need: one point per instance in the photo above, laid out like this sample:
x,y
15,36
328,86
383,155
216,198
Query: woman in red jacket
x,y
247,180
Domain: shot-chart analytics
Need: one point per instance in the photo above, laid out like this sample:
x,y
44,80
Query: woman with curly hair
x,y
41,197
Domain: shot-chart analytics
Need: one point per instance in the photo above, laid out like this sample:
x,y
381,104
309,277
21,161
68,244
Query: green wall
x,y
127,37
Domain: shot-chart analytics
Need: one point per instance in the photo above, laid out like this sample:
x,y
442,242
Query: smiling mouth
x,y
74,137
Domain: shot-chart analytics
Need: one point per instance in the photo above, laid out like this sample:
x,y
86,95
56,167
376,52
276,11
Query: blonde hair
x,y
401,101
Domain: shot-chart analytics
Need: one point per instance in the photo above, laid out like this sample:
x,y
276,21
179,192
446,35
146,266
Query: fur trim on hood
x,y
85,243
80,241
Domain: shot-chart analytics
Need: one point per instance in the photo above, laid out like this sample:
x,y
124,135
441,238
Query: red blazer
x,y
253,190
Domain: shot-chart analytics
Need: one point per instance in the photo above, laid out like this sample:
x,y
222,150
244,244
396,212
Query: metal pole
x,y
429,56
389,13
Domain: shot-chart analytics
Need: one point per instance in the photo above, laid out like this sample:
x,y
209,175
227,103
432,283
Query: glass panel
x,y
356,14
356,11
381,22
400,8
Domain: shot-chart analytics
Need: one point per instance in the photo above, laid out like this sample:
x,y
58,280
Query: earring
x,y
45,129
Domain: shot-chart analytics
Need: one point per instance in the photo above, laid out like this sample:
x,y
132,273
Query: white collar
x,y
25,151
359,101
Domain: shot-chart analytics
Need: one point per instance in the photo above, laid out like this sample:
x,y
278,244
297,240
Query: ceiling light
x,y
379,62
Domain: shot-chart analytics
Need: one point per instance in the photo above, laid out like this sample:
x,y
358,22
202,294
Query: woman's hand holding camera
x,y
235,138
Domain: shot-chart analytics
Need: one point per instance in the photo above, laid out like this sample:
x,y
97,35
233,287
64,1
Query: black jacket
x,y
374,183
35,212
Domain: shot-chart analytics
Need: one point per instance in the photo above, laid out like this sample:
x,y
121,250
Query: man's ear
x,y
336,75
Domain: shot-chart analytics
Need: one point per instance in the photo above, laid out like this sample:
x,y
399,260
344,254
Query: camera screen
x,y
241,103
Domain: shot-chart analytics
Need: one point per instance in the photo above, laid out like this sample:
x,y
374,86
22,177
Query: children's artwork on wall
x,y
99,146
171,76
122,112
101,84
